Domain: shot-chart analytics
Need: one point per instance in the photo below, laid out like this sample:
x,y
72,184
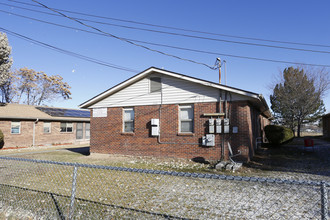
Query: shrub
x,y
277,135
2,141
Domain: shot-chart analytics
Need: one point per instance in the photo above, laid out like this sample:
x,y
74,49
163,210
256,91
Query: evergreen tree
x,y
297,99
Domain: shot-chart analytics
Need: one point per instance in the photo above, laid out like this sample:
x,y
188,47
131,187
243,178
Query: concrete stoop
x,y
229,166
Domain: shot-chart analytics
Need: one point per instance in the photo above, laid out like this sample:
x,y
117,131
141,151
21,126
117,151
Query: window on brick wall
x,y
66,127
47,127
87,131
80,131
128,120
186,114
155,84
15,127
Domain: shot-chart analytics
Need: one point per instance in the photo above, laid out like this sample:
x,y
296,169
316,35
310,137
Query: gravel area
x,y
44,190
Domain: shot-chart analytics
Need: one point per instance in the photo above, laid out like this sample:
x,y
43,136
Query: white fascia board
x,y
115,89
209,84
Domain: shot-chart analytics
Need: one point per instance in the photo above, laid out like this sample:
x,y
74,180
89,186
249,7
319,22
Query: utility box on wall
x,y
218,126
226,125
155,127
211,125
208,140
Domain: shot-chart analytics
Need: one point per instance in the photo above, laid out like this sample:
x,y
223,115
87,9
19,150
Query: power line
x,y
67,52
186,35
171,46
127,41
180,29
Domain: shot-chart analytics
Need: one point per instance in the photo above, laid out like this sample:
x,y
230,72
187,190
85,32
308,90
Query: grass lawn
x,y
45,189
289,161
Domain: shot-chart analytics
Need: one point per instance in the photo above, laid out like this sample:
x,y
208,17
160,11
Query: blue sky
x,y
291,21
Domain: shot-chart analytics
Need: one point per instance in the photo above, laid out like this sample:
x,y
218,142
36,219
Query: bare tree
x,y
34,88
297,97
5,60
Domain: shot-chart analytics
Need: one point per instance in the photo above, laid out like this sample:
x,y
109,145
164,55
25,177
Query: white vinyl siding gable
x,y
174,91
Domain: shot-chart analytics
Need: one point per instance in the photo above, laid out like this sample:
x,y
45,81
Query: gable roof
x,y
259,99
30,112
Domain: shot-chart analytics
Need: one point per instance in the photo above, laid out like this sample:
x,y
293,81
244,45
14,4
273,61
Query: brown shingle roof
x,y
29,112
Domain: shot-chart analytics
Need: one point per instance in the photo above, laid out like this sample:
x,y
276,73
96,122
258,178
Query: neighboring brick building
x,y
26,125
165,114
326,125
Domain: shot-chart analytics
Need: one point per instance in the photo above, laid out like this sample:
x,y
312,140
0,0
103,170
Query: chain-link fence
x,y
37,189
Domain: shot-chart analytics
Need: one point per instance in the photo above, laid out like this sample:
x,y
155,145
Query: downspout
x,y
34,132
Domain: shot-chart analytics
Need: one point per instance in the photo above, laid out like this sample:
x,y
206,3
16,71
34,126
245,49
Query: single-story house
x,y
326,125
166,114
27,125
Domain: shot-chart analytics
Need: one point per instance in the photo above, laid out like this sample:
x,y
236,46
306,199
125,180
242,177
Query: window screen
x,y
155,84
66,127
47,127
80,131
128,120
186,118
87,131
15,127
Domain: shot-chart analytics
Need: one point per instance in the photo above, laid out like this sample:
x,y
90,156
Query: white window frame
x,y
186,120
128,121
66,127
50,127
19,127
150,82
87,137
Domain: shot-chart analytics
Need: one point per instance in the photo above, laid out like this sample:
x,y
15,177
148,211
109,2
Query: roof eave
x,y
45,119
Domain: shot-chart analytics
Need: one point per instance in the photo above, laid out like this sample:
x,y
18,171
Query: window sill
x,y
128,133
186,134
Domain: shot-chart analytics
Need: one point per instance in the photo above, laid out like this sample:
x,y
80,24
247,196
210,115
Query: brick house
x,y
166,114
326,125
26,125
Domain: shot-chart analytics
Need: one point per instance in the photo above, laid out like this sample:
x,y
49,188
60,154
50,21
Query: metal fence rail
x,y
58,190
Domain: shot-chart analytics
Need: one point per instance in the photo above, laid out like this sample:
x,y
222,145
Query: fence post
x,y
73,192
324,201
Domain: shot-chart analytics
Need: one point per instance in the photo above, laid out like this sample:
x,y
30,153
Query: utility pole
x,y
224,61
219,63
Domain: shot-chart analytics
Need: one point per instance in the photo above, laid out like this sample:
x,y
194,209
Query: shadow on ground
x,y
81,150
295,158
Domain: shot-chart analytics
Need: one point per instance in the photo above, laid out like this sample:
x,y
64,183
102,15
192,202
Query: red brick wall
x,y
107,135
25,138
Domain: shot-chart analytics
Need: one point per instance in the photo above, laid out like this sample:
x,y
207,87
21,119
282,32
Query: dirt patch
x,y
295,160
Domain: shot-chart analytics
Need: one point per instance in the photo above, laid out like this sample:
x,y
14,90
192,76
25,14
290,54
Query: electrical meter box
x,y
211,126
155,127
226,125
208,140
218,128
